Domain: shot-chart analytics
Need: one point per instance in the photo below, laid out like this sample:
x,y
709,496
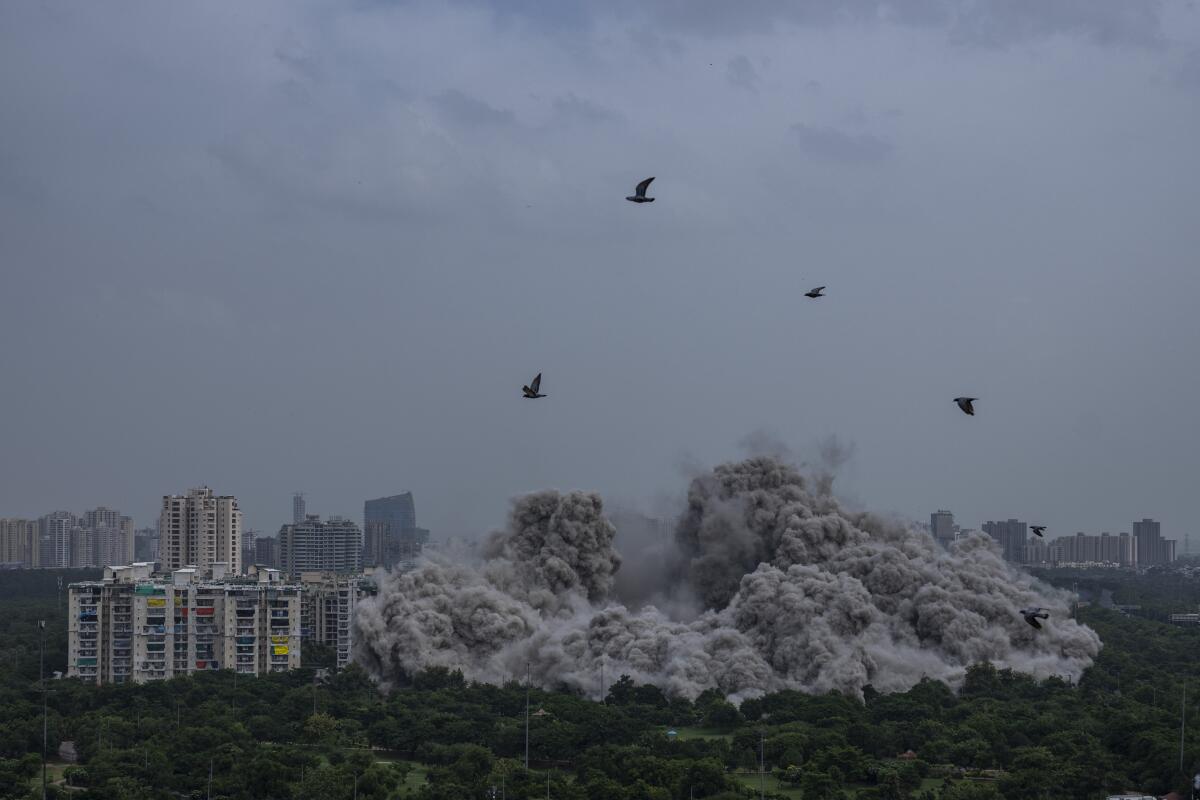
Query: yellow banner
x,y
280,650
156,602
279,640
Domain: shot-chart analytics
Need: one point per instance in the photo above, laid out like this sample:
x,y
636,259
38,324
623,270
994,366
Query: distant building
x,y
327,611
199,529
941,526
1103,550
145,545
249,549
134,627
266,551
1010,535
1152,549
19,543
298,513
390,532
335,546
55,535
104,538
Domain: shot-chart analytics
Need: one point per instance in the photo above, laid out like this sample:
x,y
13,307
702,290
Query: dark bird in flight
x,y
1038,530
531,391
815,293
1032,615
965,403
639,194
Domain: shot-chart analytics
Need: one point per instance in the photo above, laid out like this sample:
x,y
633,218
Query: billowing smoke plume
x,y
769,585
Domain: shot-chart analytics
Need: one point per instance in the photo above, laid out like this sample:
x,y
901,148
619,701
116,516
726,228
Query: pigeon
x,y
639,194
1032,615
1037,529
965,404
815,293
531,391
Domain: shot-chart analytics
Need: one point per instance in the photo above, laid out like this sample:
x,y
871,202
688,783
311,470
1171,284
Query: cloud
x,y
740,72
831,144
462,109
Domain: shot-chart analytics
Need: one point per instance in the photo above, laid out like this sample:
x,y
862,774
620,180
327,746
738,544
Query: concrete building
x,y
104,538
1010,535
266,551
390,532
55,540
249,548
200,529
298,512
19,543
315,546
1152,549
941,526
1103,550
134,626
145,545
327,610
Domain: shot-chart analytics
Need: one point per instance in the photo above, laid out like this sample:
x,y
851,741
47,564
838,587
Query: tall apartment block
x,y
315,546
1152,549
200,529
1010,535
327,610
19,543
266,551
132,626
390,532
941,525
298,513
55,542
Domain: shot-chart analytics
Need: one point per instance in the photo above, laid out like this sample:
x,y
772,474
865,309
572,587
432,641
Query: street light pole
x,y
1182,723
42,682
762,760
528,674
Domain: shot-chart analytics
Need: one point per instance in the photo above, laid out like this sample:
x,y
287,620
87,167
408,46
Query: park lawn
x,y
771,785
685,734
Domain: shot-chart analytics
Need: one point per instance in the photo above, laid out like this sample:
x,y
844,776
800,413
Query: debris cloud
x,y
768,583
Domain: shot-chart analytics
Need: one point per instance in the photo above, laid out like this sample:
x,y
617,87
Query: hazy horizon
x,y
319,247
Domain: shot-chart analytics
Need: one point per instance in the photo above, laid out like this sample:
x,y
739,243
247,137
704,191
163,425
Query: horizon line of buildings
x,y
1143,546
201,528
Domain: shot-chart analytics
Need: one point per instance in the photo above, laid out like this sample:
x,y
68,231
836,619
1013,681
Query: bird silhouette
x,y
1032,615
639,194
1038,530
531,391
965,403
815,293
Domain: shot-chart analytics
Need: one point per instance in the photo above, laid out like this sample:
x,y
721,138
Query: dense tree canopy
x,y
1002,735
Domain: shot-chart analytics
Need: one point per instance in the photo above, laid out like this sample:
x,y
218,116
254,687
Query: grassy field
x,y
685,734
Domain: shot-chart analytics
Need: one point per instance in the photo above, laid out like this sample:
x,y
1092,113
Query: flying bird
x,y
639,194
965,404
531,391
814,293
1032,615
1038,530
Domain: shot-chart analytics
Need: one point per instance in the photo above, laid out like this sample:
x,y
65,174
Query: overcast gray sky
x,y
320,245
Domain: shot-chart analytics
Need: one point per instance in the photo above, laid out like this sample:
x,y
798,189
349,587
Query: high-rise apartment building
x,y
249,548
298,512
1010,535
145,545
266,551
199,529
327,611
335,545
19,543
104,538
132,626
1152,549
1103,550
56,541
390,532
941,526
